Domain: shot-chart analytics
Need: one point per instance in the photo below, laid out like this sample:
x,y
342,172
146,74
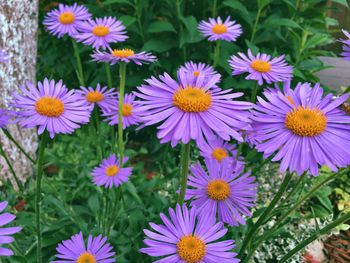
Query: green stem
x,y
295,189
321,232
79,65
214,8
254,93
255,25
265,214
18,182
216,57
109,76
40,171
10,137
122,76
185,161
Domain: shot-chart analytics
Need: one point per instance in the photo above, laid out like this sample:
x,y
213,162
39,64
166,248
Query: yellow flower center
x,y
219,153
196,73
86,257
305,121
191,249
219,29
192,99
100,31
127,110
49,106
123,53
94,96
218,190
261,66
112,170
66,18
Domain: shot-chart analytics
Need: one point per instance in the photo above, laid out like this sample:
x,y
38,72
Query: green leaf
x,y
110,2
161,26
263,3
132,190
277,22
191,34
243,11
159,45
342,2
127,20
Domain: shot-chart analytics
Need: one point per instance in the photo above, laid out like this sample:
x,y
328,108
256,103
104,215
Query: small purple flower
x,y
103,97
4,57
123,55
302,128
6,232
223,191
50,106
185,237
220,150
261,67
100,32
74,250
5,117
346,46
129,112
190,109
109,173
216,29
66,19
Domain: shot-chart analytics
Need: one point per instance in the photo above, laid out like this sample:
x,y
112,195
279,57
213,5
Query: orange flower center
x,y
94,96
196,73
191,249
192,99
219,29
261,66
112,170
306,122
49,106
127,110
66,18
100,31
86,258
123,53
219,153
218,190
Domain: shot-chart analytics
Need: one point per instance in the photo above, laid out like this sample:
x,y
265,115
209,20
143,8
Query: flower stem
x,y
18,182
108,74
122,74
216,53
10,137
79,65
254,93
257,18
185,161
40,170
214,8
265,214
321,232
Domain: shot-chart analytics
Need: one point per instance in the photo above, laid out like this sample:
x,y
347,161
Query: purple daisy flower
x,y
103,97
74,250
5,117
100,32
66,19
185,237
191,110
216,29
123,55
223,191
261,67
50,106
302,128
109,173
4,57
129,112
6,232
346,46
220,150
